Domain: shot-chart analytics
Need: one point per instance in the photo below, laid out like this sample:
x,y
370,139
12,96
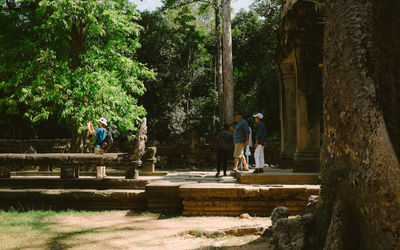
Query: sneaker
x,y
255,171
217,174
225,174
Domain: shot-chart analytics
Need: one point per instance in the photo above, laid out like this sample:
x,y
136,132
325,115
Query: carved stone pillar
x,y
288,114
308,103
132,172
5,171
149,160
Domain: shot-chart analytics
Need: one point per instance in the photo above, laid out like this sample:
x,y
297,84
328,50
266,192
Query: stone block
x,y
82,183
73,199
68,172
272,178
5,171
164,197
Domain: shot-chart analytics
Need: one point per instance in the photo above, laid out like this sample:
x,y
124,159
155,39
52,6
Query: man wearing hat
x,y
240,139
100,134
259,144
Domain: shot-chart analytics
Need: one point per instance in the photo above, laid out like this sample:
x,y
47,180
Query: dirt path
x,y
119,230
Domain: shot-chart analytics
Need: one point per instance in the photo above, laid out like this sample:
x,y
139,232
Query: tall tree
x,y
176,45
218,62
217,6
72,60
227,66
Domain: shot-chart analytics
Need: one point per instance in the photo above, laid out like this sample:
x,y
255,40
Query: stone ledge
x,y
235,199
85,173
73,199
82,183
278,178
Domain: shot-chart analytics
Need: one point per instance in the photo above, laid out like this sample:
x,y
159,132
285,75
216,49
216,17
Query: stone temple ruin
x,y
359,205
300,90
139,187
195,193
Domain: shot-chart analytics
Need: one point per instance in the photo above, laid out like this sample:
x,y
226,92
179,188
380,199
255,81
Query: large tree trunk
x,y
361,142
80,142
227,60
77,40
218,63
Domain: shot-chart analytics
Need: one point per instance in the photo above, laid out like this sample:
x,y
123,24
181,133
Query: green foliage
x,y
72,60
66,62
254,39
183,96
179,44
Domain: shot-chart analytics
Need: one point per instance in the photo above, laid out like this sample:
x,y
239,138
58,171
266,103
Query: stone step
x,y
278,177
164,197
264,213
86,173
62,199
81,183
235,199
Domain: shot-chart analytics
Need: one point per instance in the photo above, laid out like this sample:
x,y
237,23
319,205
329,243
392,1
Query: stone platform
x,y
86,173
78,199
235,199
51,182
203,194
187,193
278,176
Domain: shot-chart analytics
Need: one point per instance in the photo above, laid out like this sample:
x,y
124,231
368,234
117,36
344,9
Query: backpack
x,y
108,140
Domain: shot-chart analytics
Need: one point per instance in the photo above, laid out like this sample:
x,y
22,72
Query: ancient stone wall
x,y
300,61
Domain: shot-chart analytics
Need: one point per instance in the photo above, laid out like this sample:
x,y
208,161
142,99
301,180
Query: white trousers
x,y
259,156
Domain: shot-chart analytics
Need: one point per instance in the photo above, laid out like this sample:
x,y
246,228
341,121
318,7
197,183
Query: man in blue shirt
x,y
260,138
100,134
240,139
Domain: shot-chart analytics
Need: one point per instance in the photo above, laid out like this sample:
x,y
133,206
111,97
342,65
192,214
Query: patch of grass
x,y
40,230
14,221
34,221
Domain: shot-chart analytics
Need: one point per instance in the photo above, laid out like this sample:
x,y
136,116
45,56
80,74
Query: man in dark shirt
x,y
259,144
224,147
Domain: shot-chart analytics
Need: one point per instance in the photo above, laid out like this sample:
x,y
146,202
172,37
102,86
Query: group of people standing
x,y
240,134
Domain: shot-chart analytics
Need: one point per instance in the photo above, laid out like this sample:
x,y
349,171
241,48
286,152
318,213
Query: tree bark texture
x,y
80,142
227,65
77,39
218,63
360,152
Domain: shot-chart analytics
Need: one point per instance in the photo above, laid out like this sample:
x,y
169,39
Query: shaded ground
x,y
122,230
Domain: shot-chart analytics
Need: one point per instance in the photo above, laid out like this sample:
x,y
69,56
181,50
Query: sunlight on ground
x,y
121,230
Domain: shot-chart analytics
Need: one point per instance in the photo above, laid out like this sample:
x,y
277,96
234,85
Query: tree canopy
x,y
179,44
67,62
71,61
